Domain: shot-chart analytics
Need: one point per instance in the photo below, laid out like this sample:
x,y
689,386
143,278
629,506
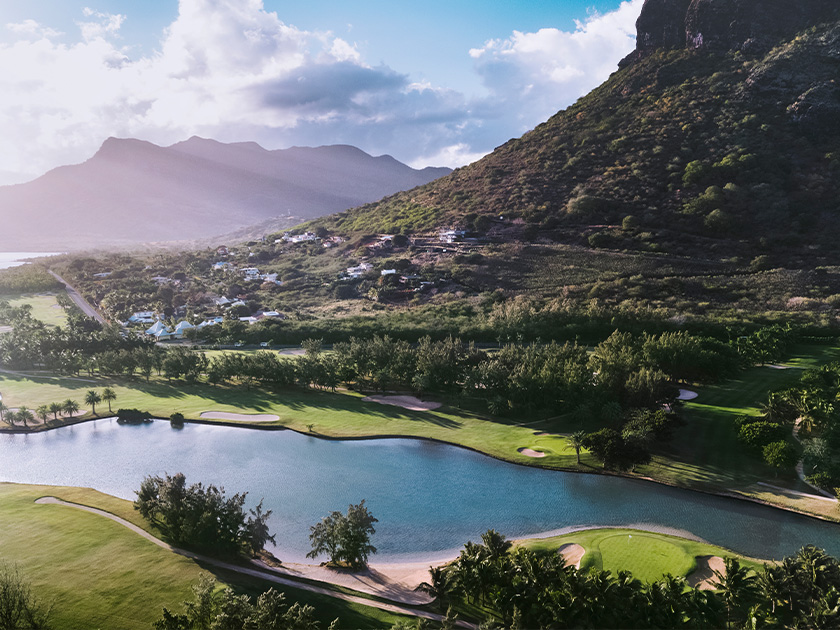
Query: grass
x,y
44,307
98,574
647,555
339,415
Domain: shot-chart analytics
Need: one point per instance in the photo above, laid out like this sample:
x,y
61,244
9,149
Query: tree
x,y
737,586
576,442
109,395
55,409
345,538
92,398
780,454
3,410
25,415
69,407
43,413
19,608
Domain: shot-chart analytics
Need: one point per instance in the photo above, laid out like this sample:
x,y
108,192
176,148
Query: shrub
x,y
133,416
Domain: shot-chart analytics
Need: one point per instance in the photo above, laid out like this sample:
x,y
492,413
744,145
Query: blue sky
x,y
433,82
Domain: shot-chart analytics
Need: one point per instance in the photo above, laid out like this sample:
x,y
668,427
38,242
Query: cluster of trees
x,y
629,446
521,588
768,438
344,537
67,408
813,403
20,608
203,517
212,609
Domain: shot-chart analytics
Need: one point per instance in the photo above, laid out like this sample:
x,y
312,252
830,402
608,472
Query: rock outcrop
x,y
751,26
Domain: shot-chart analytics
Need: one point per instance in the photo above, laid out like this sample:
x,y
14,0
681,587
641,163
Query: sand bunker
x,y
777,366
245,417
704,575
406,402
572,553
687,394
530,452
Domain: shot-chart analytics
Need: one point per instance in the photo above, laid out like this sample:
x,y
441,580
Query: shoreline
x,y
730,494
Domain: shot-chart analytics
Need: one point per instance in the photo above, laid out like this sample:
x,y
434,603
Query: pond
x,y
429,498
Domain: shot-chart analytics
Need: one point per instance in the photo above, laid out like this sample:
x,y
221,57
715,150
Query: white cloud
x,y
231,70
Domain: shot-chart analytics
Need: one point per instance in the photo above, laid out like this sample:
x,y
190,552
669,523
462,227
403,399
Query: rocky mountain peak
x,y
745,25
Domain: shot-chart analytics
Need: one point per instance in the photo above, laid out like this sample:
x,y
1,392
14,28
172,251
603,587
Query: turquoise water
x,y
13,259
429,498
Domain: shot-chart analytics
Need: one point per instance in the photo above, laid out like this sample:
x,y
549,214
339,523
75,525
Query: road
x,y
81,302
258,572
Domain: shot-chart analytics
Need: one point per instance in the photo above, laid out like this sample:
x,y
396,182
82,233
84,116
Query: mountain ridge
x,y
133,191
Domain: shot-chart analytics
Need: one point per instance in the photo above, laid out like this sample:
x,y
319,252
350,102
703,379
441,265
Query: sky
x,y
432,83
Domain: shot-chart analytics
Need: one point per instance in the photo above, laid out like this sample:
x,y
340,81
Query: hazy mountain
x,y
133,191
718,137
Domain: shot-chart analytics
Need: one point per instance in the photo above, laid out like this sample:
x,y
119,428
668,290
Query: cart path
x,y
77,298
258,573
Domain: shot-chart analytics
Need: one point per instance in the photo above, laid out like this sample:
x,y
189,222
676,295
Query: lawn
x,y
335,415
648,556
98,574
44,307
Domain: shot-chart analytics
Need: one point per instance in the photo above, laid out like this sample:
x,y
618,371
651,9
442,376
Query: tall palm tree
x,y
55,409
3,409
576,442
92,398
108,395
737,587
43,413
69,407
25,415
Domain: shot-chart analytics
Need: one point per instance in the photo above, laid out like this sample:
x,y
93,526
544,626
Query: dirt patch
x,y
412,403
703,576
687,394
245,417
529,452
572,553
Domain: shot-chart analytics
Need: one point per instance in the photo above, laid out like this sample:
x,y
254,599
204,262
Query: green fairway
x,y
44,307
648,556
336,415
98,574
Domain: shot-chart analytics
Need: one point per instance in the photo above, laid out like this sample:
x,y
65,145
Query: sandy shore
x,y
245,417
687,394
412,403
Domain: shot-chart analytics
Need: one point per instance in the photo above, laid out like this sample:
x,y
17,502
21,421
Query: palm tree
x,y
11,417
55,409
108,395
69,407
736,586
3,409
92,398
26,415
576,442
43,413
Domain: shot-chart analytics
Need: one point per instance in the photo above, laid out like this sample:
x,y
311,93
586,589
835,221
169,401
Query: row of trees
x,y
203,517
521,588
67,408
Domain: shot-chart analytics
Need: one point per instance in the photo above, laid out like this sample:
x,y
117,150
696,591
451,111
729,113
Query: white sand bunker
x,y
411,403
530,452
687,394
704,575
245,417
572,553
778,366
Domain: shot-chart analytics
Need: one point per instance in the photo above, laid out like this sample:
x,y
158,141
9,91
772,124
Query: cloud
x,y
536,74
231,70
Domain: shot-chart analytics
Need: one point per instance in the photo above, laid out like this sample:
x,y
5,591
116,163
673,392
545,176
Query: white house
x,y
181,328
142,317
452,236
222,301
103,274
359,271
221,266
251,273
388,272
156,328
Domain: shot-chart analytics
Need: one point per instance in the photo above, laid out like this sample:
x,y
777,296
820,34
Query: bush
x,y
780,454
760,433
177,419
133,416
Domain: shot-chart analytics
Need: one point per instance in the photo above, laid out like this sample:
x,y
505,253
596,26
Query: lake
x,y
429,498
14,259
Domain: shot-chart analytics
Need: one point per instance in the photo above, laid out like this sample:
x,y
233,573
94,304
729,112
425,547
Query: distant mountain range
x,y
133,191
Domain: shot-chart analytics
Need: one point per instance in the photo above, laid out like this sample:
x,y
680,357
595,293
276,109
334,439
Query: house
x,y
298,238
388,272
103,274
270,277
222,301
249,320
181,328
163,335
452,236
156,328
359,271
274,314
250,273
221,266
143,317
160,280
211,322
221,250
237,303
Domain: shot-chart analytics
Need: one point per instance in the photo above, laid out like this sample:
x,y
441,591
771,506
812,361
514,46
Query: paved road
x,y
258,573
81,302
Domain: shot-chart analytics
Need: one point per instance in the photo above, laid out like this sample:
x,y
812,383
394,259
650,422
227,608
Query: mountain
x,y
133,191
718,138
